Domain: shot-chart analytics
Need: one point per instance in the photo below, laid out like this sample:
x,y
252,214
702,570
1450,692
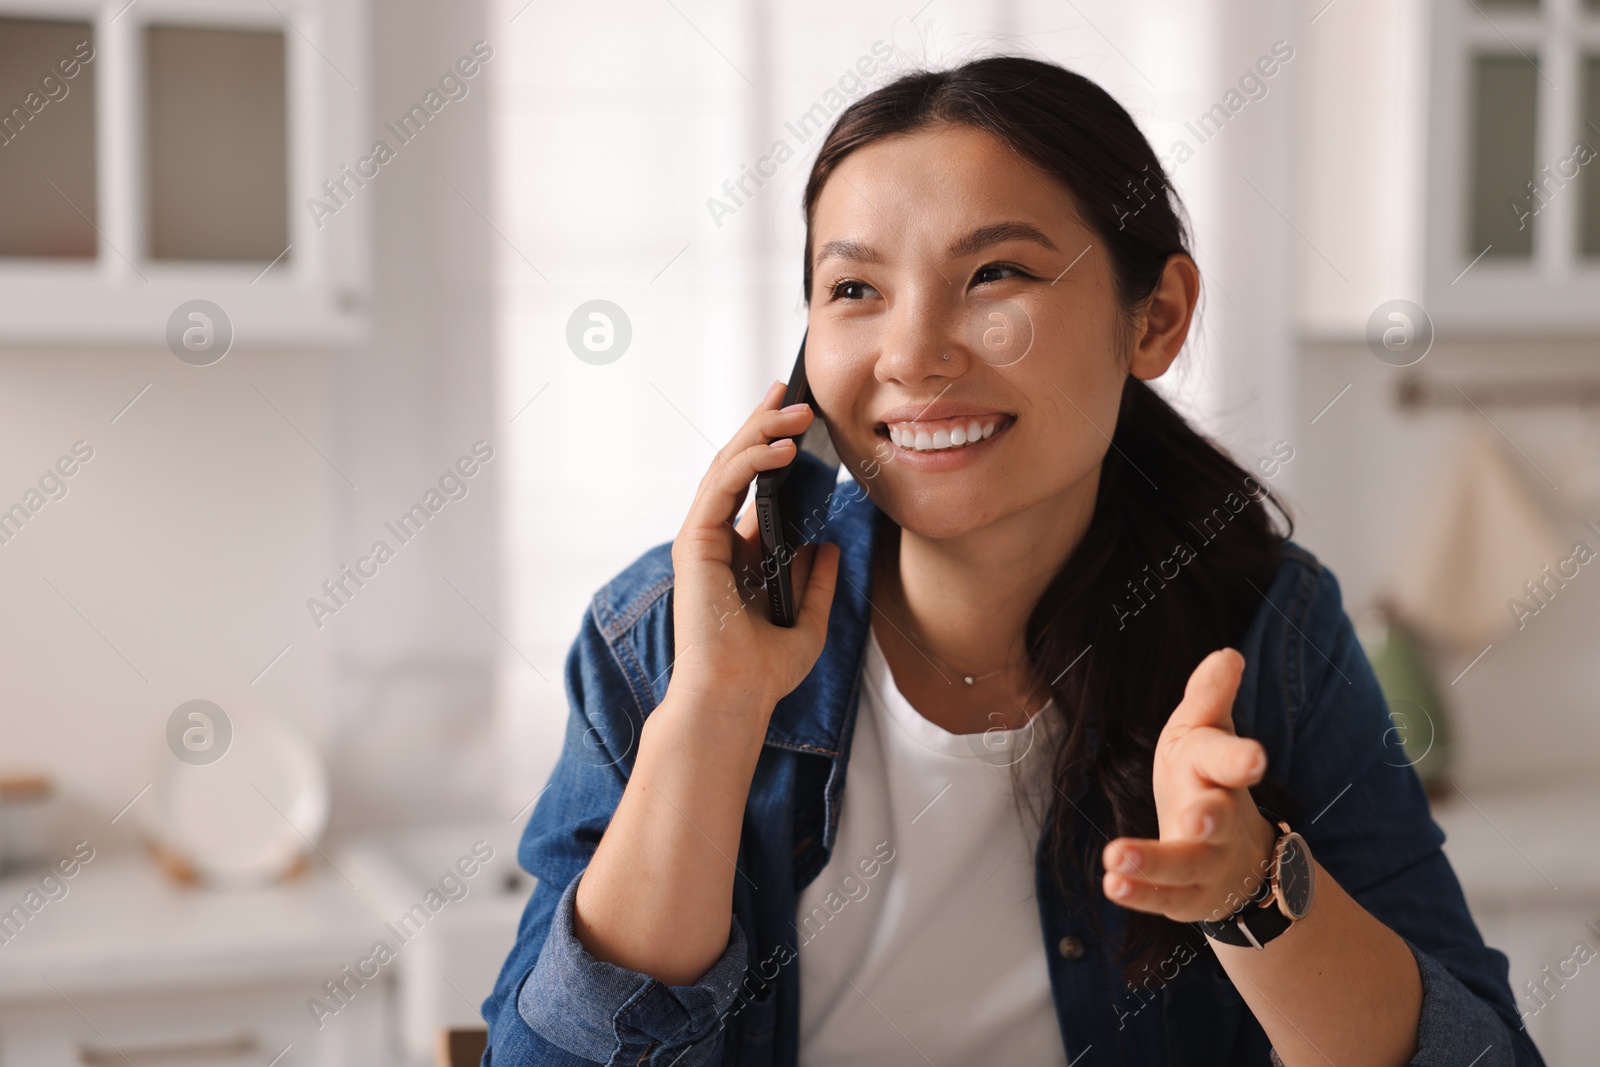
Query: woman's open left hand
x,y
1215,845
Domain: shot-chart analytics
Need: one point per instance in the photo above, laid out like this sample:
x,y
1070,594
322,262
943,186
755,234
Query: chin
x,y
940,513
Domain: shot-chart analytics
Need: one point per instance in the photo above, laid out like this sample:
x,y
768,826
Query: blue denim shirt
x,y
1308,695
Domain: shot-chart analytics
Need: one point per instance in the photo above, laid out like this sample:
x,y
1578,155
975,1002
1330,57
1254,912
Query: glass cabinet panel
x,y
47,139
1505,106
216,156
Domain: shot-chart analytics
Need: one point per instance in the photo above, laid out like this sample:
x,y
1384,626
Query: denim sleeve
x,y
622,1015
1367,820
554,1004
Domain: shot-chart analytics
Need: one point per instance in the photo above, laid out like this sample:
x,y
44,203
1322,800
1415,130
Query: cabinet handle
x,y
169,1054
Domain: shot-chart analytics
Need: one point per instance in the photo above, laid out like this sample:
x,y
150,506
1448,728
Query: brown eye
x,y
849,290
995,272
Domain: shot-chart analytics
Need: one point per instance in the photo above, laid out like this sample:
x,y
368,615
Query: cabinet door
x,y
162,152
228,1026
1555,981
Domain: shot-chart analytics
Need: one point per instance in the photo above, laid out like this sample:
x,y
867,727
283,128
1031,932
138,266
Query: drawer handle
x,y
176,1053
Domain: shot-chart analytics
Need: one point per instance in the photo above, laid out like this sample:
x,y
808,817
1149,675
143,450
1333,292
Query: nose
x,y
924,340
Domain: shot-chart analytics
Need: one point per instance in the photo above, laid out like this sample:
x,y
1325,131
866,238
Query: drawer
x,y
241,1026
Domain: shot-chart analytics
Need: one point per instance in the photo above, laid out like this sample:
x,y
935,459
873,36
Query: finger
x,y
1162,863
766,422
769,400
725,487
1222,758
749,555
746,526
817,600
800,566
745,436
1206,816
1208,696
750,560
1131,891
768,427
762,428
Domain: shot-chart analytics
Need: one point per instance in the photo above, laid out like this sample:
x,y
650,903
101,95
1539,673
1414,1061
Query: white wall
x,y
1524,714
193,538
605,177
1368,473
183,543
412,668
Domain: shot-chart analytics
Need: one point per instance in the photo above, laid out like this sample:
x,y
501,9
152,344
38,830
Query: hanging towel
x,y
1483,536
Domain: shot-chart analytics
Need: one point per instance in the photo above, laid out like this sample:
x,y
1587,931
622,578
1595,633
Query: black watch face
x,y
1294,876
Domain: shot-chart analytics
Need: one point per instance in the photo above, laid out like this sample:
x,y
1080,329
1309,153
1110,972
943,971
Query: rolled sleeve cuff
x,y
1456,1027
610,1014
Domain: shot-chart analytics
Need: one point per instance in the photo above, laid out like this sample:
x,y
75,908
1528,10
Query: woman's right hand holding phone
x,y
728,652
657,896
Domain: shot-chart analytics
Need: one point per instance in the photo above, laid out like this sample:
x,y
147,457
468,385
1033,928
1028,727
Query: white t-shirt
x,y
920,940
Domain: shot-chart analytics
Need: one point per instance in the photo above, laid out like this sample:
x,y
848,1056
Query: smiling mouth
x,y
943,435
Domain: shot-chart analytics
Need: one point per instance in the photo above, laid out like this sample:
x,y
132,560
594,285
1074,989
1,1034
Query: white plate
x,y
243,819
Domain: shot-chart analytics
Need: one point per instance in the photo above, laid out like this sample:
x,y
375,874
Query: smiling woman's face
x,y
956,294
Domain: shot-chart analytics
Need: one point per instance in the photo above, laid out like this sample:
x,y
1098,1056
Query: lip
x,y
940,409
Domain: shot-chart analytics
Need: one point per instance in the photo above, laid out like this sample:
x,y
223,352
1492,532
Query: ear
x,y
1162,326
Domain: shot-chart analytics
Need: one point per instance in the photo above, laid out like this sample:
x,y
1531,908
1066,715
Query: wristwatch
x,y
1283,899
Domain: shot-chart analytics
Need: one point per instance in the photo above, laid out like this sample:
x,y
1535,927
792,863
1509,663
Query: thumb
x,y
817,600
1208,696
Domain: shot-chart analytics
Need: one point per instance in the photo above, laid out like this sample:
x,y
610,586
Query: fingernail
x,y
782,442
795,407
1206,824
1127,859
1121,888
1258,763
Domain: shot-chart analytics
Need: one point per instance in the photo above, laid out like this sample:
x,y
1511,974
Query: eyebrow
x,y
848,249
974,242
994,234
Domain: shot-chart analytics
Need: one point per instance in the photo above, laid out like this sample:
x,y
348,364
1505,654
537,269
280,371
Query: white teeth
x,y
940,436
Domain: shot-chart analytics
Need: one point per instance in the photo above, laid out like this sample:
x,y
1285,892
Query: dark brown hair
x,y
1162,484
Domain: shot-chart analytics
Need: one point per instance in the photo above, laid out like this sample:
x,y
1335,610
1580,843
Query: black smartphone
x,y
777,552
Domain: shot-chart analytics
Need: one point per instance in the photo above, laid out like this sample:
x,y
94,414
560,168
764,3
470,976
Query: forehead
x,y
937,181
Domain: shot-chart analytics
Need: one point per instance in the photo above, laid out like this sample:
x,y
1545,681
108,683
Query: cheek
x,y
1073,373
842,386
1067,443
1072,379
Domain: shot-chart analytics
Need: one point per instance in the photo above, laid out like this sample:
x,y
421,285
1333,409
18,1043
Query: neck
x,y
968,598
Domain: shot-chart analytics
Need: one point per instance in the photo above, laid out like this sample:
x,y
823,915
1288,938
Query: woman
x,y
1084,687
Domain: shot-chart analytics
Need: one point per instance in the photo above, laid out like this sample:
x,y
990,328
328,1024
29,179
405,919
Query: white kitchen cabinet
x,y
129,967
445,973
1529,863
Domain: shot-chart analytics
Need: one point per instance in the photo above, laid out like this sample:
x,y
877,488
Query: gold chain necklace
x,y
969,679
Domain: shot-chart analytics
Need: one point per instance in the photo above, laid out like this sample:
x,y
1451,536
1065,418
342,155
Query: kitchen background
x,y
240,344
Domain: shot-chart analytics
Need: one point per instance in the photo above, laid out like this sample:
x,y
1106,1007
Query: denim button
x,y
1070,947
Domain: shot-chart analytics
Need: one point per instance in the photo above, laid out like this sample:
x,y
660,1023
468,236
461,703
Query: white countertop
x,y
1529,846
123,923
